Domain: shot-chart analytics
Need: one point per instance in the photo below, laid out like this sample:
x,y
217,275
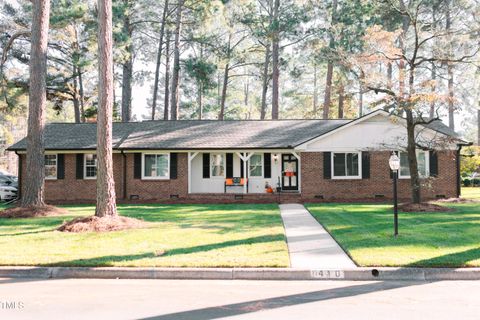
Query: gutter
x,y
124,175
458,156
20,165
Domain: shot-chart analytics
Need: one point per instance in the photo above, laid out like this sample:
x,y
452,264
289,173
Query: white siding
x,y
376,133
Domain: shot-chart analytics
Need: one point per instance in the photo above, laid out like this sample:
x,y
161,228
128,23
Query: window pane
x,y
352,164
256,165
91,159
91,171
162,165
50,171
149,166
217,165
404,168
339,164
51,159
422,164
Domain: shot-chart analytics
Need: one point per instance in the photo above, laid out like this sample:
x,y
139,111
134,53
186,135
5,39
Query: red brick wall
x,y
379,183
72,190
158,189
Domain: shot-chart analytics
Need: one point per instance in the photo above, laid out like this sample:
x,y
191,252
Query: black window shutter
x,y
229,165
79,166
267,165
173,165
137,165
327,165
206,165
365,165
60,166
241,169
433,164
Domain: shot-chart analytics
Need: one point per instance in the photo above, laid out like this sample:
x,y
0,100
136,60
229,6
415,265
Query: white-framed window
x,y
156,166
51,164
217,165
90,166
423,164
346,165
255,166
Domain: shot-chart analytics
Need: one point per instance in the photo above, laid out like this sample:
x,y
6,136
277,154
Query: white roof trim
x,y
372,114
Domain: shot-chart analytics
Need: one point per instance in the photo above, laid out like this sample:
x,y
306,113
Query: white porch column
x,y
245,159
191,155
299,170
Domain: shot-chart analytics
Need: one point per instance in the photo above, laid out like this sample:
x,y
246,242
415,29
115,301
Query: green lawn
x,y
471,193
179,235
365,231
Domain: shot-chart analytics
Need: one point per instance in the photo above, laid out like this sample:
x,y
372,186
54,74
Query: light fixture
x,y
275,157
394,162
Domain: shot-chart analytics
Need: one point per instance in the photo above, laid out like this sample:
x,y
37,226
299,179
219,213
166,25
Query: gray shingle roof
x,y
199,134
188,134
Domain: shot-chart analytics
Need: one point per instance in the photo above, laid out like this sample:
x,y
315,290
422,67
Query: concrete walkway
x,y
309,244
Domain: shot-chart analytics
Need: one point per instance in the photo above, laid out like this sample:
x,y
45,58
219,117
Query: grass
x,y
365,231
179,236
471,193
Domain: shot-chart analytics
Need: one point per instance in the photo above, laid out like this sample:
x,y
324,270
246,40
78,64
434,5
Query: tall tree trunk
x,y
246,98
315,90
275,60
175,103
478,125
341,98
33,194
411,143
127,73
389,75
360,98
200,90
434,79
265,80
159,59
200,100
82,95
76,103
106,202
401,64
451,106
167,78
224,92
328,91
433,66
78,74
327,100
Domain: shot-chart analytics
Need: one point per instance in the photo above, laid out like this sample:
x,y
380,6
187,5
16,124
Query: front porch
x,y
244,172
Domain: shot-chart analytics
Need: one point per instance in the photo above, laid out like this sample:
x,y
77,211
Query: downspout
x,y
19,192
124,176
459,179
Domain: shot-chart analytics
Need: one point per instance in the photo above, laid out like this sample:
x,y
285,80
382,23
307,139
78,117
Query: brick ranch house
x,y
233,161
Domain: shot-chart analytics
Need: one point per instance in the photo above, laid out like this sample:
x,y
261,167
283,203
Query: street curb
x,y
365,274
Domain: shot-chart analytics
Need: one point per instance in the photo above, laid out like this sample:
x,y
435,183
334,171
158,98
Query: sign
x,y
327,274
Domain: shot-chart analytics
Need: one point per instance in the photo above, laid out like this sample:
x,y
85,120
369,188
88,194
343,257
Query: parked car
x,y
8,180
8,193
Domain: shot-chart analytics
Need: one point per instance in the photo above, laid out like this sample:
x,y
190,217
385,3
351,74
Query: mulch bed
x,y
423,207
32,212
457,200
103,224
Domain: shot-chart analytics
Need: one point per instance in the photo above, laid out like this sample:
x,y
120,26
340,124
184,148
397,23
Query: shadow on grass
x,y
449,260
230,310
106,261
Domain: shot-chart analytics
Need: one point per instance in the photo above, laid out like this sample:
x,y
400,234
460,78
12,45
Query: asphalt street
x,y
221,299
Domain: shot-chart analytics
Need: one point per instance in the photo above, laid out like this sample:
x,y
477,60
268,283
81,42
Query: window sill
x,y
155,178
346,178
